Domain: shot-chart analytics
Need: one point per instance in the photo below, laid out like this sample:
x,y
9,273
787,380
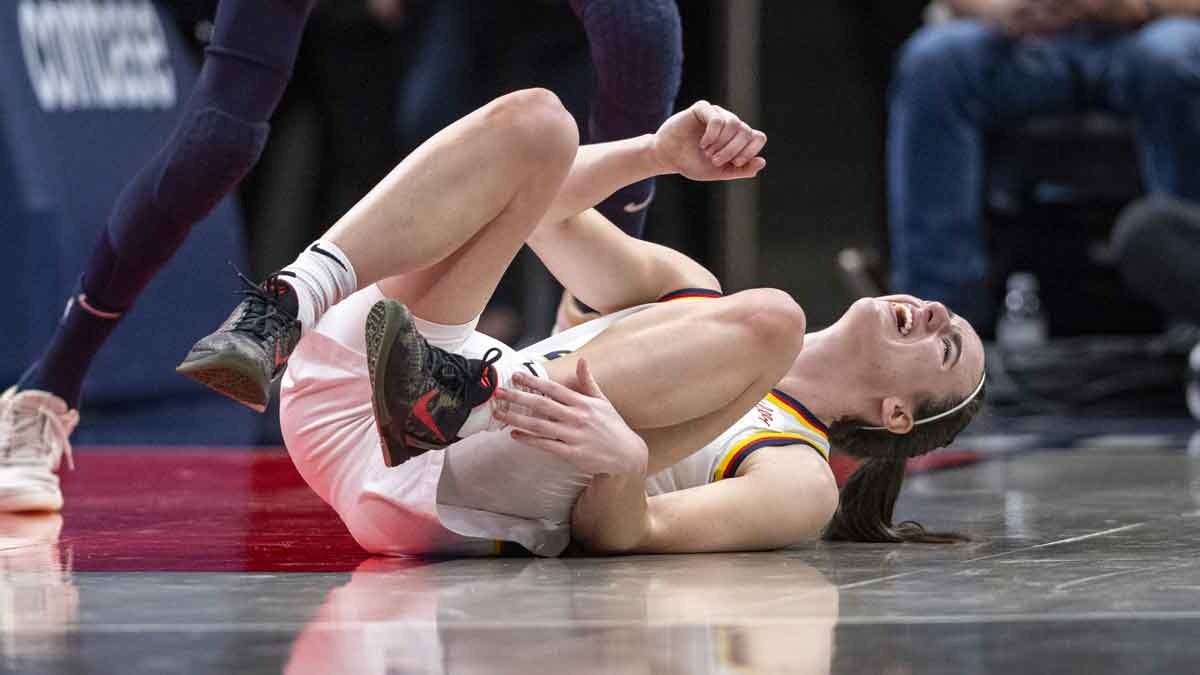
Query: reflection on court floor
x,y
1084,559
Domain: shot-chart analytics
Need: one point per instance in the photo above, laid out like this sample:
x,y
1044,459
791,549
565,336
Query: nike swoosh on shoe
x,y
421,412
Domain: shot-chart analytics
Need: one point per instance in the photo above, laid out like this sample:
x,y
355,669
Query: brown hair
x,y
868,500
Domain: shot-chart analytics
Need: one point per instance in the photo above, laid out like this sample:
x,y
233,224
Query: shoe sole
x,y
229,375
385,321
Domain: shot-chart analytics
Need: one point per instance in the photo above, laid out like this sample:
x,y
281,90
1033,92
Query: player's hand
x,y
1036,17
1116,11
579,425
707,142
389,12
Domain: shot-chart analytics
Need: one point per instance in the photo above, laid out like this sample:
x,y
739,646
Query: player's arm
x,y
703,143
610,270
595,260
781,496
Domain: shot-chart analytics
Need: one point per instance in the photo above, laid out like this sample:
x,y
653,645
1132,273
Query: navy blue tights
x,y
637,51
220,135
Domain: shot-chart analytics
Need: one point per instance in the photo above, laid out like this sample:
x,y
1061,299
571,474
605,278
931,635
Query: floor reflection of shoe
x,y
26,529
39,602
421,395
249,350
35,434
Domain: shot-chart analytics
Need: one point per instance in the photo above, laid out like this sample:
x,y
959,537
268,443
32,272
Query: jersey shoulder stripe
x,y
739,451
798,411
685,293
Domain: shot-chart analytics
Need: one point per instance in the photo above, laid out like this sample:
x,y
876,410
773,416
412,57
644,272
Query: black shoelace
x,y
454,372
263,317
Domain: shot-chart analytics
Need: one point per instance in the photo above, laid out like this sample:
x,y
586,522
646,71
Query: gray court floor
x,y
1085,561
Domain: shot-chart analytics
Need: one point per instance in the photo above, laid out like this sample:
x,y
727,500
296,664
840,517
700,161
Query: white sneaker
x,y
35,431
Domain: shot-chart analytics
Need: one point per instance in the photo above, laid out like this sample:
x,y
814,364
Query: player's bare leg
x,y
490,168
422,395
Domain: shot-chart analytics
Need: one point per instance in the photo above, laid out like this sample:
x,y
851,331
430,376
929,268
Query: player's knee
x,y
1161,59
537,120
653,41
210,153
775,321
941,61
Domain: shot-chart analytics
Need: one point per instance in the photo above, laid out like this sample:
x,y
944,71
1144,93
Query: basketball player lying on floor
x,y
668,426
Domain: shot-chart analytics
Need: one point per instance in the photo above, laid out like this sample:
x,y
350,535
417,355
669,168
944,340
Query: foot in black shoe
x,y
421,394
249,350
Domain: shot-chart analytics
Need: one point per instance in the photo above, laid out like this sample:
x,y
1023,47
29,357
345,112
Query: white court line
x,y
1136,570
868,582
1070,540
749,622
1096,577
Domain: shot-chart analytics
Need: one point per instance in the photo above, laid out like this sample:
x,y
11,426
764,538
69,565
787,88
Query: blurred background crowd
x,y
1032,163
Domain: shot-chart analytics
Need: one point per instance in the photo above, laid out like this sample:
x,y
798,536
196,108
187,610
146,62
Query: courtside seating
x,y
88,91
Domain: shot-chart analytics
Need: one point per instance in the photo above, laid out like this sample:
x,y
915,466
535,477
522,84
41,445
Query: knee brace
x,y
637,50
209,153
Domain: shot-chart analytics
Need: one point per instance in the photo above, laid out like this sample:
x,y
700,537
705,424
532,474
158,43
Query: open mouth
x,y
904,318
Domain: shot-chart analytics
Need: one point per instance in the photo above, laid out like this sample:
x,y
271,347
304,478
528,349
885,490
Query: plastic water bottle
x,y
1022,323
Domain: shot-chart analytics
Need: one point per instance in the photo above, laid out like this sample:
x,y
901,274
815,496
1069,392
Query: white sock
x,y
322,276
481,417
448,336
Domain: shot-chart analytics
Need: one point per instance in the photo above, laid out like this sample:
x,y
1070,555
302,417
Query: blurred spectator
x,y
1157,244
998,63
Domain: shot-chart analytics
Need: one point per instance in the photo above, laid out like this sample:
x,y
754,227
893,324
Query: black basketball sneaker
x,y
251,349
421,394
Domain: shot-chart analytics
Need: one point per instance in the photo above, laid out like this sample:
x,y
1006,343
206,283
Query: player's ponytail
x,y
868,500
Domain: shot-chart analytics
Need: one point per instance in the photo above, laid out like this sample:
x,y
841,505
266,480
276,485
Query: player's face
x,y
918,350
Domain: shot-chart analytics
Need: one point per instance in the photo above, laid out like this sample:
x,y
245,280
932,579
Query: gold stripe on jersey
x,y
739,451
798,413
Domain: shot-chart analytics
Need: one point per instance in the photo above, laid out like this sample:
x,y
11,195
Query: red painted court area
x,y
198,510
224,510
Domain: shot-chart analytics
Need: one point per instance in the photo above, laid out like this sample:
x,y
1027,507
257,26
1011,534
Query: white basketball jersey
x,y
776,420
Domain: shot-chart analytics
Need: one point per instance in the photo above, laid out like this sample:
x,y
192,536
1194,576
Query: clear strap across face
x,y
945,414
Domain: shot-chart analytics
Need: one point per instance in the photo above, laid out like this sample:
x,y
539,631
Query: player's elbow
x,y
600,542
599,531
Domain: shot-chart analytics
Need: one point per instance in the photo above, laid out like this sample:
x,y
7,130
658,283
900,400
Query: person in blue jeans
x,y
1000,62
